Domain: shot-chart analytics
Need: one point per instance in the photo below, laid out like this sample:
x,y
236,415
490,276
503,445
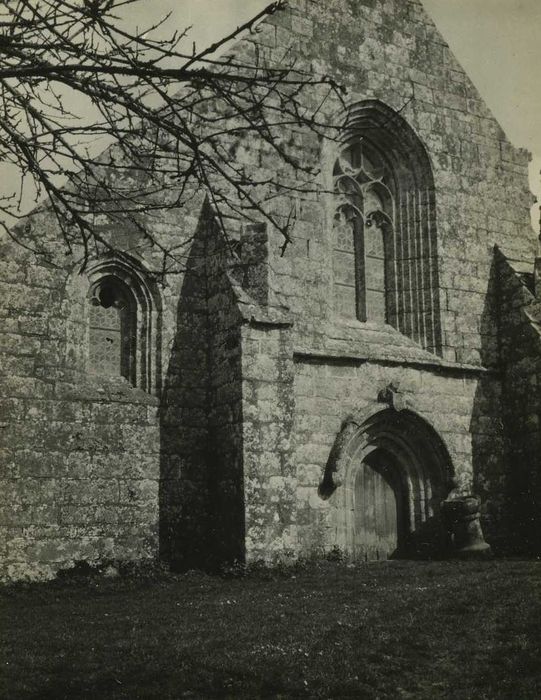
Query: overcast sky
x,y
498,43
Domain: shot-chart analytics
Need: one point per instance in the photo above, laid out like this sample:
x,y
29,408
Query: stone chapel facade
x,y
262,406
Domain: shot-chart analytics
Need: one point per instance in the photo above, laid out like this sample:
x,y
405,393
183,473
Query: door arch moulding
x,y
418,455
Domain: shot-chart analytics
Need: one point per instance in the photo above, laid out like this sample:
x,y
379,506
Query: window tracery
x,y
384,235
364,214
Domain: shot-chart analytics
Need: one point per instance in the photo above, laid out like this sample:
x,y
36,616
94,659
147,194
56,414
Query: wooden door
x,y
376,510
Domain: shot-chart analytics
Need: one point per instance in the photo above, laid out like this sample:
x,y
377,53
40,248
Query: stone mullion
x,y
419,287
434,341
398,265
360,268
408,268
391,286
428,288
391,261
401,228
424,279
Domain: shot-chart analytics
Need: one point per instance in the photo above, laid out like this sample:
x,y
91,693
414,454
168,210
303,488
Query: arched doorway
x,y
386,477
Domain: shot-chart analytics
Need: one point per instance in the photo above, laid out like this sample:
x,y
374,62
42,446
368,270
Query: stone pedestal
x,y
462,519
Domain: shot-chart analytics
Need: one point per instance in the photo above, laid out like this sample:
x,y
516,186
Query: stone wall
x,y
203,498
520,319
258,367
80,454
184,489
270,479
391,52
225,436
327,391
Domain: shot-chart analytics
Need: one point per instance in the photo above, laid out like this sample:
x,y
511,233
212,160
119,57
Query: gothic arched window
x,y
112,329
124,323
384,237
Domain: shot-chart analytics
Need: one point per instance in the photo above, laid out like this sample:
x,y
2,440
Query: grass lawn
x,y
382,630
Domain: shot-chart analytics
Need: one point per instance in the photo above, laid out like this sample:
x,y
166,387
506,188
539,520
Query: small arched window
x,y
124,323
384,234
112,329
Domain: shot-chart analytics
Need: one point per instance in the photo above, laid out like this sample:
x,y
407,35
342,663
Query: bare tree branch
x,y
171,122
